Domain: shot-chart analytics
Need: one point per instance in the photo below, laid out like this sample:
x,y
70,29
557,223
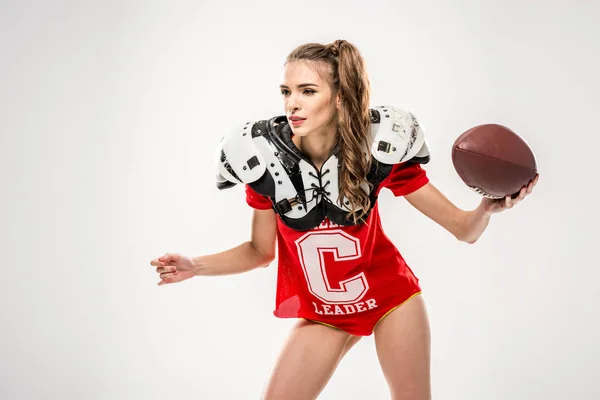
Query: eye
x,y
285,92
309,91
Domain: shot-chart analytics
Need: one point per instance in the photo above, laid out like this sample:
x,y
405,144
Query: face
x,y
308,99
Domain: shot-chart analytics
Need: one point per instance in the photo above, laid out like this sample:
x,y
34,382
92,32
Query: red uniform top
x,y
345,276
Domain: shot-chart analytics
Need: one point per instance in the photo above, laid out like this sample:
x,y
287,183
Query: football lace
x,y
484,193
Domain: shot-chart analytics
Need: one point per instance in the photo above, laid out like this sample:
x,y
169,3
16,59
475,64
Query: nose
x,y
292,104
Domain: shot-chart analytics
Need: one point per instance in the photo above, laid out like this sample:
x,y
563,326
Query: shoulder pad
x,y
237,157
397,136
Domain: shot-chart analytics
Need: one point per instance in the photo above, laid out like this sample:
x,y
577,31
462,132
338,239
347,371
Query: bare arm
x,y
258,252
466,226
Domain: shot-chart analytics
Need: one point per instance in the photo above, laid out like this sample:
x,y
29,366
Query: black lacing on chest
x,y
317,189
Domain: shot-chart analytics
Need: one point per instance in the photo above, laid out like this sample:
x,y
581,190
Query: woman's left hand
x,y
498,205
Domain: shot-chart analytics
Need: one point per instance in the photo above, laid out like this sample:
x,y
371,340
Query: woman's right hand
x,y
173,268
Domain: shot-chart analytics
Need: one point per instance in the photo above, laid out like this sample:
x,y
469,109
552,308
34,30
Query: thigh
x,y
402,340
307,361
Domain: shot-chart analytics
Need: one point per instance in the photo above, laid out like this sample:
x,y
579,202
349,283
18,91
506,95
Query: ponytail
x,y
350,80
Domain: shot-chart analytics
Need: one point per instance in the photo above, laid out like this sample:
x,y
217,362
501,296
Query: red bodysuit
x,y
348,277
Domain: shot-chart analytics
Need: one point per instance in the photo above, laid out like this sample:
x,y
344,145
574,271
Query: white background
x,y
110,113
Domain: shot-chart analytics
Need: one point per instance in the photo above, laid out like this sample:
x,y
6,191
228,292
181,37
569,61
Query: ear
x,y
338,101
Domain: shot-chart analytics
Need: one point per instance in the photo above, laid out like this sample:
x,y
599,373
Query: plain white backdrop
x,y
110,113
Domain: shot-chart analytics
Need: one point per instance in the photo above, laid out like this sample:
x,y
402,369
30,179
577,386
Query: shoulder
x,y
237,157
398,136
253,150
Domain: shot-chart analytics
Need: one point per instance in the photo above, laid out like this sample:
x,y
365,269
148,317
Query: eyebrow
x,y
300,86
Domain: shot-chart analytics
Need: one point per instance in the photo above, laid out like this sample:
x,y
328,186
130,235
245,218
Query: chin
x,y
299,131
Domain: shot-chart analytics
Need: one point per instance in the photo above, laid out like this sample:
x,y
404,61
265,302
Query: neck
x,y
317,146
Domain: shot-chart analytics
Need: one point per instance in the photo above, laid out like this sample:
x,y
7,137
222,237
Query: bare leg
x,y
402,340
307,361
352,340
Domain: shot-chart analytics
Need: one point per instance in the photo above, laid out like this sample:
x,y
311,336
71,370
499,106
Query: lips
x,y
296,121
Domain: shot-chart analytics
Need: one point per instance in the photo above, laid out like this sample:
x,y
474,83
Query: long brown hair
x,y
350,80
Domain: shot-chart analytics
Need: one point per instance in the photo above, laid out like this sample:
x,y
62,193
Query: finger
x,y
167,275
522,193
168,258
166,280
536,179
529,187
157,263
161,270
507,202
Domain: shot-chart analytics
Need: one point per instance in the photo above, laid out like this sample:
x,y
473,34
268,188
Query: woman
x,y
343,278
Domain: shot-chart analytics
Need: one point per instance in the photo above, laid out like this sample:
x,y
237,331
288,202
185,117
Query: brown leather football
x,y
493,160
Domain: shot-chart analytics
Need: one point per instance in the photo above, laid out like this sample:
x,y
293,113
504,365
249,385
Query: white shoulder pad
x,y
397,137
237,157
